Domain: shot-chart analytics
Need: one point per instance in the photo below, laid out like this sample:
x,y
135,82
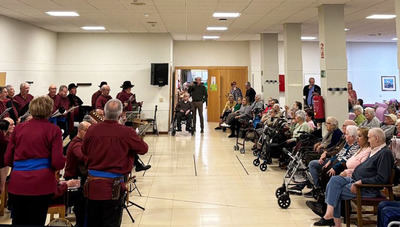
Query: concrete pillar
x,y
269,65
293,63
333,60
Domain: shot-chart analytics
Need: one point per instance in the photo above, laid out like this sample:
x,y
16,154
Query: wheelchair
x,y
186,120
297,165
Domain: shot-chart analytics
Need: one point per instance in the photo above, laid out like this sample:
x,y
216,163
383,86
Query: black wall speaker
x,y
159,74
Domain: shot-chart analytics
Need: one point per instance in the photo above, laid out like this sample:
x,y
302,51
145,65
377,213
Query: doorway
x,y
218,82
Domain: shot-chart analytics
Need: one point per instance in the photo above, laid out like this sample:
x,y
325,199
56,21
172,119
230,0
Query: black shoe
x,y
202,131
218,128
316,207
139,168
309,194
231,136
224,129
323,222
297,187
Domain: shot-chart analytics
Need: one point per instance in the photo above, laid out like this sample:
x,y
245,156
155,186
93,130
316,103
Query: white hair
x,y
333,121
370,111
301,114
113,109
379,133
22,85
359,108
351,130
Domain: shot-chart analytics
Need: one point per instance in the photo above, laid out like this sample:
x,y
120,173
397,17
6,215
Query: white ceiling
x,y
188,19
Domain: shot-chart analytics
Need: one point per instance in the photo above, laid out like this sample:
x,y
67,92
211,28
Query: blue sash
x,y
32,164
97,173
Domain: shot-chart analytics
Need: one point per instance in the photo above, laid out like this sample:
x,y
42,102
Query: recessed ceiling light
x,y
63,13
394,39
347,29
226,15
146,15
93,28
308,38
381,16
210,37
217,28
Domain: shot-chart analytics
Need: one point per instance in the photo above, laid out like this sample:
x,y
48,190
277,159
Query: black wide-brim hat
x,y
127,84
70,86
102,83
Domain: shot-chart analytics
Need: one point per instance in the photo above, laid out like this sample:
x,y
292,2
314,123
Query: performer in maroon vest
x,y
97,94
23,99
62,104
75,168
103,98
53,92
35,153
110,149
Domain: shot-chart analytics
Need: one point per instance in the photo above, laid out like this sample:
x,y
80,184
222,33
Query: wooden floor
x,y
201,181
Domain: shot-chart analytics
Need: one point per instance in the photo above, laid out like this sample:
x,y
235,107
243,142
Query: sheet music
x,y
5,112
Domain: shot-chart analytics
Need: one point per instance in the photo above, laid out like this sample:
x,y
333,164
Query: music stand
x,y
131,180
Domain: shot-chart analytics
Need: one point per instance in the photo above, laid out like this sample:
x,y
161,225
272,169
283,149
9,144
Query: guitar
x,y
96,116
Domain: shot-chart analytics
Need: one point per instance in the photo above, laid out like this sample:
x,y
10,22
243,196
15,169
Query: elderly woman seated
x,y
299,126
238,117
290,113
332,136
359,112
229,107
332,164
258,103
376,169
371,121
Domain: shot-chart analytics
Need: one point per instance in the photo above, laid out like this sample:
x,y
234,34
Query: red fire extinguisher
x,y
319,109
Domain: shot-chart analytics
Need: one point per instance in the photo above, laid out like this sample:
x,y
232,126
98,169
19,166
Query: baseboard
x,y
161,133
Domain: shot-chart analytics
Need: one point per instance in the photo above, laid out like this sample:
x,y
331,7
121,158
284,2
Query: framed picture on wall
x,y
388,83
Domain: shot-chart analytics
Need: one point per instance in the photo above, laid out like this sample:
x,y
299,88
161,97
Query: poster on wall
x,y
213,85
388,83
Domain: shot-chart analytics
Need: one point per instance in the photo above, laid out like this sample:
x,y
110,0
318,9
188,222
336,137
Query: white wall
x,y
27,54
255,65
211,53
367,62
116,58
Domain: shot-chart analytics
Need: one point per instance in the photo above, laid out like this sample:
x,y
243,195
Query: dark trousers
x,y
105,213
29,210
235,126
181,117
198,106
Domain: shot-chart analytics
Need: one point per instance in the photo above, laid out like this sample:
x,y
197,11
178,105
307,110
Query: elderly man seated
x,y
376,169
389,126
184,110
372,121
359,112
258,103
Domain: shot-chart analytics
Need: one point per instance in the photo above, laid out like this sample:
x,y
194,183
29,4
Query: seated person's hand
x,y
74,183
237,117
331,172
323,156
353,188
327,165
343,174
321,161
316,146
125,104
187,112
181,111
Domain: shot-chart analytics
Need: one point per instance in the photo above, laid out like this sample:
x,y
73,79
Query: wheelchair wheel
x,y
280,191
255,153
256,162
242,151
263,167
284,201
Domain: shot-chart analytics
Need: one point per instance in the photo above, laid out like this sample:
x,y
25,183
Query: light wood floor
x,y
202,181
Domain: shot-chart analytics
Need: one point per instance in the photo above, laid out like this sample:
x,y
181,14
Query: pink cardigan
x,y
356,160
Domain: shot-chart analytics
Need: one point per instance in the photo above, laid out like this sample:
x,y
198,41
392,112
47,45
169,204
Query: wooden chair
x,y
56,209
371,202
3,199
